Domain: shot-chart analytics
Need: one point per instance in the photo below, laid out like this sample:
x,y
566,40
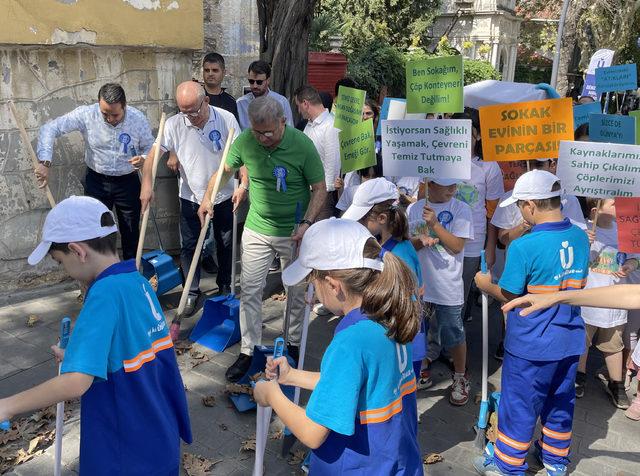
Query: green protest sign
x,y
348,109
435,85
357,147
636,116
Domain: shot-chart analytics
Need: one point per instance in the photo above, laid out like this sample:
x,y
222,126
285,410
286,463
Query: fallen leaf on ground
x,y
32,320
196,465
223,427
433,458
153,281
23,456
279,297
248,445
199,357
277,435
237,389
209,401
297,457
182,346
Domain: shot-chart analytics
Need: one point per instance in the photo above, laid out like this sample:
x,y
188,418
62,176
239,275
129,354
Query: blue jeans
x,y
447,331
222,232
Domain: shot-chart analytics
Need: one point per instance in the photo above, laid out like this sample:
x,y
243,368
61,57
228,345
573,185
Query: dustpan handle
x,y
155,226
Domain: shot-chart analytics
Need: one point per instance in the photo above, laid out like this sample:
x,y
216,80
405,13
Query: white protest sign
x,y
599,169
427,148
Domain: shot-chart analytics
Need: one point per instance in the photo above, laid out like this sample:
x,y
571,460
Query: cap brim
x,y
294,273
40,252
355,212
508,201
445,182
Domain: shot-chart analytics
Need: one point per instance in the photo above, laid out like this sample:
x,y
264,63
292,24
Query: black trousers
x,y
222,233
123,193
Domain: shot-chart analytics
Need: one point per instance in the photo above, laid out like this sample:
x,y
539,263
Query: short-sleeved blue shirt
x,y
135,412
553,257
407,253
366,396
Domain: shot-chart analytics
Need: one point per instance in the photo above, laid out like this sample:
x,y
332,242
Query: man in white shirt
x,y
324,136
116,137
197,135
258,76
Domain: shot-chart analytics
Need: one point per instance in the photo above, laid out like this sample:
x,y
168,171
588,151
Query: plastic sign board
x,y
357,147
435,85
612,128
348,109
616,78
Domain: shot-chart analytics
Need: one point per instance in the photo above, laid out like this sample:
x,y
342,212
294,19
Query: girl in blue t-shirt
x,y
376,206
362,415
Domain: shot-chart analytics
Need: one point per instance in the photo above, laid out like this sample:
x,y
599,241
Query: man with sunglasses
x,y
197,135
259,76
285,170
116,137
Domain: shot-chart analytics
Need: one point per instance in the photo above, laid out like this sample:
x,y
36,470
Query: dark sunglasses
x,y
257,81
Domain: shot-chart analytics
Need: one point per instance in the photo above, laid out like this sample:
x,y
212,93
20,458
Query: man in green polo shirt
x,y
284,169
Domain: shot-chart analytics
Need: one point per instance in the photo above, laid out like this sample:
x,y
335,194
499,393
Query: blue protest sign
x,y
616,78
384,112
612,128
581,113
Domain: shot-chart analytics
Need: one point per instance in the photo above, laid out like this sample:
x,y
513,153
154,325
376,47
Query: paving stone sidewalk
x,y
605,442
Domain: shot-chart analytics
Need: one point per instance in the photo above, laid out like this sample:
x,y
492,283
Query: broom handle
x,y
154,170
234,238
32,153
203,232
595,218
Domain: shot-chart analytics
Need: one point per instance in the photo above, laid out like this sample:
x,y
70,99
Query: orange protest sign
x,y
628,218
511,171
526,130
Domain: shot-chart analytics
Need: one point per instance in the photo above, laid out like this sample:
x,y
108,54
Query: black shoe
x,y
190,306
275,265
581,380
618,395
224,291
294,352
499,355
239,368
209,265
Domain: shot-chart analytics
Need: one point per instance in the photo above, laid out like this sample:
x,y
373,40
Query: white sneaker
x,y
459,390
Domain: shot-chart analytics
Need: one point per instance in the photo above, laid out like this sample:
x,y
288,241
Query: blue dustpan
x,y
219,326
243,402
160,264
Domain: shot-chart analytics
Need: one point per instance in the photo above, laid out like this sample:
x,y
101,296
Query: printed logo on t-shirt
x,y
564,261
468,193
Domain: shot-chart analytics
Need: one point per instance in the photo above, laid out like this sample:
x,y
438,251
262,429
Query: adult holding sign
x,y
526,130
284,169
117,137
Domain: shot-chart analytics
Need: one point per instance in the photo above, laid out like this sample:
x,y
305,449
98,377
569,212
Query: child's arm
x,y
507,236
64,387
451,242
618,296
268,393
279,369
485,284
492,243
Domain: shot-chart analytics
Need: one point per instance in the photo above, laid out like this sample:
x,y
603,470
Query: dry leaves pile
x,y
196,465
32,320
237,389
209,401
183,346
248,444
279,297
30,437
153,281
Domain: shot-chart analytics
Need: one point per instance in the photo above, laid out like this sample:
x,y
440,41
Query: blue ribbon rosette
x,y
124,139
280,173
445,217
215,136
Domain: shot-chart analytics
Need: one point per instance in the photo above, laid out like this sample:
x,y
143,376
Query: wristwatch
x,y
306,222
46,163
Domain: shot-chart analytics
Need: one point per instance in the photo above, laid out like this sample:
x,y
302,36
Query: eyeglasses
x,y
193,114
267,134
257,81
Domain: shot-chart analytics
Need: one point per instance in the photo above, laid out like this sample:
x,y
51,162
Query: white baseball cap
x,y
368,194
443,181
73,219
534,185
330,244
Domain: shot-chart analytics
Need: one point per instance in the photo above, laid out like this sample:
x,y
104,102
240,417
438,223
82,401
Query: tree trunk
x,y
284,40
568,45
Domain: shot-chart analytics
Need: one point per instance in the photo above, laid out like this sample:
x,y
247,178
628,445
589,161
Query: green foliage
x,y
397,22
478,70
323,28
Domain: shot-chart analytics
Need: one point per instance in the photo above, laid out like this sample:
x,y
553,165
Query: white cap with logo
x,y
368,194
331,244
534,185
73,219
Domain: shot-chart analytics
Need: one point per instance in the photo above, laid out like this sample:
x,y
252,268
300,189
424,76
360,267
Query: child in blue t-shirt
x,y
542,349
362,416
376,205
120,357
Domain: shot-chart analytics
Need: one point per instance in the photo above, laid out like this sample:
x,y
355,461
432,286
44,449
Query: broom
x,y
481,428
174,330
